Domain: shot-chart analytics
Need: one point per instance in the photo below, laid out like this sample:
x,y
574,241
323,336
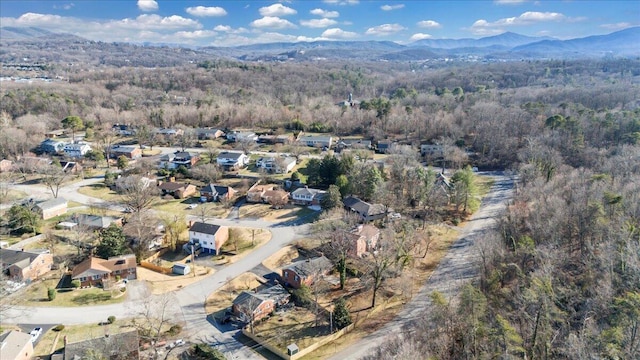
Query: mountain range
x,y
506,46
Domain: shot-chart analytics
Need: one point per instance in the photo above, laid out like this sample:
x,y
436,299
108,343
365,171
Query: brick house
x,y
255,305
96,271
52,208
130,152
364,239
368,212
210,237
255,194
25,265
212,192
177,190
304,272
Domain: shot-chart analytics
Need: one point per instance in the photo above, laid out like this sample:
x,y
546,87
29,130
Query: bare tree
x,y
154,317
53,177
174,227
138,193
141,227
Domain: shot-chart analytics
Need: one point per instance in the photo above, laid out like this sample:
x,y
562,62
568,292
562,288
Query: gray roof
x,y
94,221
363,207
307,267
204,228
230,155
307,191
19,258
52,203
277,293
215,189
114,346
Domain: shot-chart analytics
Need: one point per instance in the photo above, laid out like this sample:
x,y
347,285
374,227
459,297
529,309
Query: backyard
x,y
36,295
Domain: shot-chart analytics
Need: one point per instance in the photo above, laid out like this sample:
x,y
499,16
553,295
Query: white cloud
x,y
318,23
616,26
228,29
429,24
206,11
324,13
341,2
337,33
391,7
483,27
272,22
152,21
147,5
419,36
385,29
276,10
64,6
198,34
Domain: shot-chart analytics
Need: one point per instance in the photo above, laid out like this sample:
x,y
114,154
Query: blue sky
x,y
238,22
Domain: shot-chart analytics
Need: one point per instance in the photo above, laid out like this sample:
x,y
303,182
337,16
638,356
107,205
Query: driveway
x,y
458,267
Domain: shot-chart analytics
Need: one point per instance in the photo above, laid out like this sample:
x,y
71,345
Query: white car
x,y
35,333
193,206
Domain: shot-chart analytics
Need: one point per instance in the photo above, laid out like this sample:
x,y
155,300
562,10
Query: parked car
x,y
193,206
35,334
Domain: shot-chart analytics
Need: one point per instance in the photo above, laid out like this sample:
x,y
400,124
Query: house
x,y
76,150
6,165
16,345
22,265
242,136
210,237
275,139
281,165
367,212
186,159
232,160
52,208
317,141
432,151
305,272
122,129
213,192
256,192
181,269
385,146
130,152
364,239
95,271
306,196
71,167
54,133
94,222
275,197
119,346
349,102
255,305
50,146
170,132
208,133
361,144
177,189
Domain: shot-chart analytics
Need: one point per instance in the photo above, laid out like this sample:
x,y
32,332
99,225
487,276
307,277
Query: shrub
x,y
75,284
341,314
301,296
174,330
123,289
111,319
58,327
51,294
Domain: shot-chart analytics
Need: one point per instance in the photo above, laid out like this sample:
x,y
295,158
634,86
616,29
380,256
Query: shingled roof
x,y
204,228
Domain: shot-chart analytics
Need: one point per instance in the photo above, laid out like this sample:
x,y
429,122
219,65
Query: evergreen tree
x,y
112,242
341,315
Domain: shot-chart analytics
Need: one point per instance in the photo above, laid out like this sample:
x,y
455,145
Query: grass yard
x,y
241,241
101,192
161,283
222,298
13,195
36,295
181,207
296,325
288,213
281,258
75,333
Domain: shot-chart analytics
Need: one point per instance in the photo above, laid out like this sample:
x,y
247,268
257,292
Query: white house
x,y
317,141
307,196
431,150
76,150
210,237
276,165
231,160
240,136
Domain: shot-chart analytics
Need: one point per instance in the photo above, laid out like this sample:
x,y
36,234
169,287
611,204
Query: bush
x,y
341,314
111,319
174,330
204,351
51,294
301,296
75,284
58,328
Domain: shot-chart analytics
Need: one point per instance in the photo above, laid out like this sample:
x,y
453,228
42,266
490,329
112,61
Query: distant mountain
x,y
621,43
44,46
507,39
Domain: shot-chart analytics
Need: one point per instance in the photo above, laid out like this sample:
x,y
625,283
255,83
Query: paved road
x,y
458,267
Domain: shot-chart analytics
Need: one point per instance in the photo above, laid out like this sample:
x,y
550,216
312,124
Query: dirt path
x,y
457,268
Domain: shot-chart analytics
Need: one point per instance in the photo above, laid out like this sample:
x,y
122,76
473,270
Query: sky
x,y
242,22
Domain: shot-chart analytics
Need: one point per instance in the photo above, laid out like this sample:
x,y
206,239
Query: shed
x,y
181,269
292,349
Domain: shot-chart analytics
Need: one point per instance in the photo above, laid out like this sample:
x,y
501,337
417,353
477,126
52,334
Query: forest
x,y
560,277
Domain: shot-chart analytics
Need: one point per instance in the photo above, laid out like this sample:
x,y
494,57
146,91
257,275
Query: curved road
x,y
458,267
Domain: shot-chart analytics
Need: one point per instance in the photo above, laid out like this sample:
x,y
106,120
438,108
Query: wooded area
x,y
561,276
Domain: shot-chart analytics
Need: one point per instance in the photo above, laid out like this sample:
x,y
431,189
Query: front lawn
x,y
36,295
101,192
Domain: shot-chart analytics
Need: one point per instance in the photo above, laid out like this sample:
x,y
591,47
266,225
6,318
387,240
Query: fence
x,y
156,268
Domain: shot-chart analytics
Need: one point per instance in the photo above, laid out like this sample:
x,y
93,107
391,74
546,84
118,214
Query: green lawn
x,y
101,192
36,295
